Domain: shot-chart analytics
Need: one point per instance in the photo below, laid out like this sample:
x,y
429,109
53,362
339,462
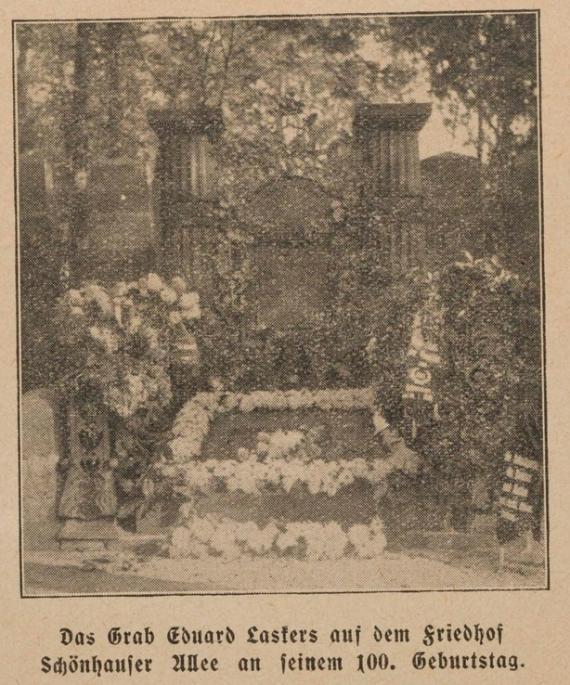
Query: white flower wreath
x,y
275,460
207,536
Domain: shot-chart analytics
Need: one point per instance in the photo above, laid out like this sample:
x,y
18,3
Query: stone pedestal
x,y
89,535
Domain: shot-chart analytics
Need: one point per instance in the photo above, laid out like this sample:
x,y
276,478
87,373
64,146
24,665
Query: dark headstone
x,y
121,240
289,221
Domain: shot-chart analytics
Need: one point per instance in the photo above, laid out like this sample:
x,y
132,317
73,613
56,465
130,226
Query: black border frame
x,y
540,189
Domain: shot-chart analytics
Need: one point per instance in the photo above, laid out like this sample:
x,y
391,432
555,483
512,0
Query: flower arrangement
x,y
256,470
122,338
201,537
281,459
192,423
119,343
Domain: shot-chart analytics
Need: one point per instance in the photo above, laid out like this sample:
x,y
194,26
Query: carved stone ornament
x,y
89,491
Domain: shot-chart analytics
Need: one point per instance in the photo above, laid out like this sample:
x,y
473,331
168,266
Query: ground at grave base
x,y
441,565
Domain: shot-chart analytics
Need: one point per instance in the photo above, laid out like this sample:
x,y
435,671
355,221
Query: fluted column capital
x,y
408,116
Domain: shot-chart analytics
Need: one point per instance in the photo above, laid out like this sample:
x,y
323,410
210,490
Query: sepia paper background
x,y
536,623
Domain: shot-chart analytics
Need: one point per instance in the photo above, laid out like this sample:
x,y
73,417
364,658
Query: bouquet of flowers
x,y
119,342
123,338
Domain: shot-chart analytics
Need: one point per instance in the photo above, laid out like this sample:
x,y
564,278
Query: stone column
x,y
387,151
386,137
185,177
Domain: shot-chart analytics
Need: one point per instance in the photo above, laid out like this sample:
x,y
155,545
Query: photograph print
x,y
280,303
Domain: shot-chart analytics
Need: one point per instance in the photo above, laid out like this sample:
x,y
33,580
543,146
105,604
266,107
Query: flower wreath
x,y
277,460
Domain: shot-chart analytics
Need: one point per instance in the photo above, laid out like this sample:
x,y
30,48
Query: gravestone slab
x,y
289,221
41,449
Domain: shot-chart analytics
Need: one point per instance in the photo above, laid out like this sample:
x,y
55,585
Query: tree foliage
x,y
483,319
484,66
286,87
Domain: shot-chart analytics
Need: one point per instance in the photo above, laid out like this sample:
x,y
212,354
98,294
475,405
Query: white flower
x,y
135,323
288,482
314,535
267,537
197,477
323,399
190,305
358,467
191,313
277,400
168,295
286,541
379,470
186,510
216,384
223,541
294,399
95,332
281,443
246,404
243,454
359,536
296,528
329,487
344,478
335,541
96,293
198,550
262,449
148,487
75,297
230,401
105,336
189,300
154,282
372,345
245,530
151,335
376,525
313,477
180,448
379,543
202,529
175,318
179,284
169,470
120,289
379,422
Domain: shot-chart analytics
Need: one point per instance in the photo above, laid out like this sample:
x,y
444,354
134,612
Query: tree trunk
x,y
25,129
112,41
77,148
